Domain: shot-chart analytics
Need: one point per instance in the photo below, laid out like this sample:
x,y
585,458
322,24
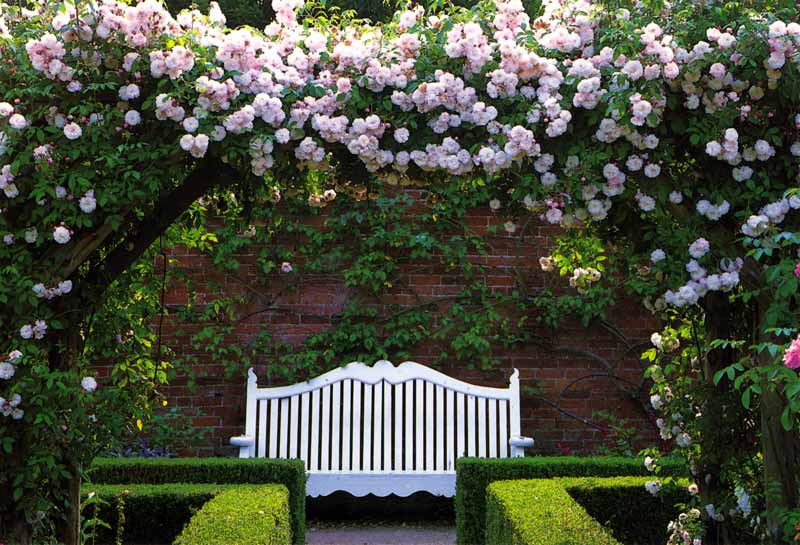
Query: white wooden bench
x,y
382,429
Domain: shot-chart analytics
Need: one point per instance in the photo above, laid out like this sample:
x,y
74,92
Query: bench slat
x,y
503,429
273,428
492,428
325,426
347,430
471,430
336,439
284,441
439,428
451,432
398,427
356,426
387,427
410,424
313,461
369,420
461,447
294,425
482,428
419,425
262,428
305,399
427,423
378,434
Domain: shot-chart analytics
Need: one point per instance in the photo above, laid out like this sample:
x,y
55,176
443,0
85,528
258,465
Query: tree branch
x,y
146,230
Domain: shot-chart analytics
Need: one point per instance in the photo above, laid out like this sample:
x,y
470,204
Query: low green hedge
x,y
539,512
473,475
529,512
624,506
290,473
248,515
147,513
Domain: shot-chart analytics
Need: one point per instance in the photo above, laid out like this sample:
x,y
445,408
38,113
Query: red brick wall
x,y
569,382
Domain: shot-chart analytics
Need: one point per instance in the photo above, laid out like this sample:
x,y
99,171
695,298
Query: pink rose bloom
x,y
797,270
343,85
286,267
717,70
791,358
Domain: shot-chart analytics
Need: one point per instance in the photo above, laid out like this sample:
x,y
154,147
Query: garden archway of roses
x,y
674,142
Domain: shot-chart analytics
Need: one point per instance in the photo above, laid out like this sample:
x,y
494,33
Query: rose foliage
x,y
670,135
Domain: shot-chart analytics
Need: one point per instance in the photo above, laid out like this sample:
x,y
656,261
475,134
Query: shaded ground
x,y
377,533
342,519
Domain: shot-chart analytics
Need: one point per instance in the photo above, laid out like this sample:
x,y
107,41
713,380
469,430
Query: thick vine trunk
x,y
64,355
715,439
72,524
780,449
14,527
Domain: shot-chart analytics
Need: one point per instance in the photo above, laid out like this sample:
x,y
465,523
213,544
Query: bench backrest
x,y
358,418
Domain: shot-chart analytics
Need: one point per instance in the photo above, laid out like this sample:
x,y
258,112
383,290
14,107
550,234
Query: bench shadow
x,y
420,507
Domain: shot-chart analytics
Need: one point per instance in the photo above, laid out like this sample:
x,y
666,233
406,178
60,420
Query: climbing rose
x,y
797,270
656,339
791,358
6,370
61,234
133,118
653,486
73,131
88,203
286,267
89,384
699,248
17,121
657,255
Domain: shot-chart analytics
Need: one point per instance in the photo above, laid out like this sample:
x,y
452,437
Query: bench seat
x,y
381,483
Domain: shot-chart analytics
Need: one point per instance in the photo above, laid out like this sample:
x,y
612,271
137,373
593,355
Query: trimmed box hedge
x,y
148,513
290,473
539,512
246,515
473,475
626,508
569,510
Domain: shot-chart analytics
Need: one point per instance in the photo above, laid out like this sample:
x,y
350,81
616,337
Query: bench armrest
x,y
243,441
520,441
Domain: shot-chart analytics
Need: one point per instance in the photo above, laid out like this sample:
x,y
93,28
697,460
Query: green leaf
x,y
787,419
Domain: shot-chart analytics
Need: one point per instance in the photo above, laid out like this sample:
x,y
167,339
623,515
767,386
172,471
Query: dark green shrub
x,y
473,475
246,515
539,512
149,513
258,13
290,473
631,513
